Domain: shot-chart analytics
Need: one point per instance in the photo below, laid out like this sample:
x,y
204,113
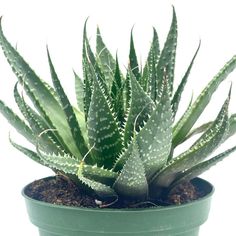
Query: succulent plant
x,y
120,139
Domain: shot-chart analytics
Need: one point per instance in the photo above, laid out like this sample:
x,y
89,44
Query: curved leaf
x,y
202,148
46,103
185,124
69,112
17,122
42,131
201,167
180,89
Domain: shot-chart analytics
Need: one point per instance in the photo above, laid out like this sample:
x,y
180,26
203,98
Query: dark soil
x,y
62,191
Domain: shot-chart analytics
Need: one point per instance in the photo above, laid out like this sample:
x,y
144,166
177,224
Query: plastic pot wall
x,y
183,220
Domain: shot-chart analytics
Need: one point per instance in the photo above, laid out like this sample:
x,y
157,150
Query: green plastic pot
x,y
183,220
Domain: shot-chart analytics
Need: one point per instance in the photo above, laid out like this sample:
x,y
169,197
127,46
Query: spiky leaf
x,y
48,103
69,112
32,155
42,131
103,131
149,77
133,61
105,59
79,91
17,122
180,89
154,140
201,167
140,108
117,93
166,64
202,148
101,190
132,182
185,124
232,126
89,61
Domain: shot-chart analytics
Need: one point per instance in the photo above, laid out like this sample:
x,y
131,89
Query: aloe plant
x,y
119,140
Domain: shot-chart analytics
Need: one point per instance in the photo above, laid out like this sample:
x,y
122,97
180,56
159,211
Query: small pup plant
x,y
119,141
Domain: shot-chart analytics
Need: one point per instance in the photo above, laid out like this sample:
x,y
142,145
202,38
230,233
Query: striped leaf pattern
x,y
166,62
79,91
132,182
105,60
149,78
154,140
185,124
126,120
41,130
133,61
103,130
140,108
68,110
177,96
17,122
201,167
203,147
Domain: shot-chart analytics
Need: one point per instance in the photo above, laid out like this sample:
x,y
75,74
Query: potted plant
x,y
113,154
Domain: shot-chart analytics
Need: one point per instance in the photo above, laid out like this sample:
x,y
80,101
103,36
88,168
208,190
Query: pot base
x,y
193,232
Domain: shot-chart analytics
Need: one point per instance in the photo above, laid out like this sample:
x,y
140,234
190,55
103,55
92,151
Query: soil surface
x,y
62,191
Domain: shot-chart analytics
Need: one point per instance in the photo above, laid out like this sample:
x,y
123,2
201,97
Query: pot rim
x,y
159,208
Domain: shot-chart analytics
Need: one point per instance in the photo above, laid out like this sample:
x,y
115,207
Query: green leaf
x,y
149,78
69,112
198,130
98,174
70,165
88,87
185,124
17,122
64,163
117,94
133,62
103,131
102,190
172,146
203,127
166,64
132,182
127,93
201,167
41,130
141,107
46,103
79,91
89,61
232,126
154,140
180,89
32,155
202,148
105,60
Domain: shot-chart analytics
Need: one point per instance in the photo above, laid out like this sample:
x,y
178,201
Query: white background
x,y
33,24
